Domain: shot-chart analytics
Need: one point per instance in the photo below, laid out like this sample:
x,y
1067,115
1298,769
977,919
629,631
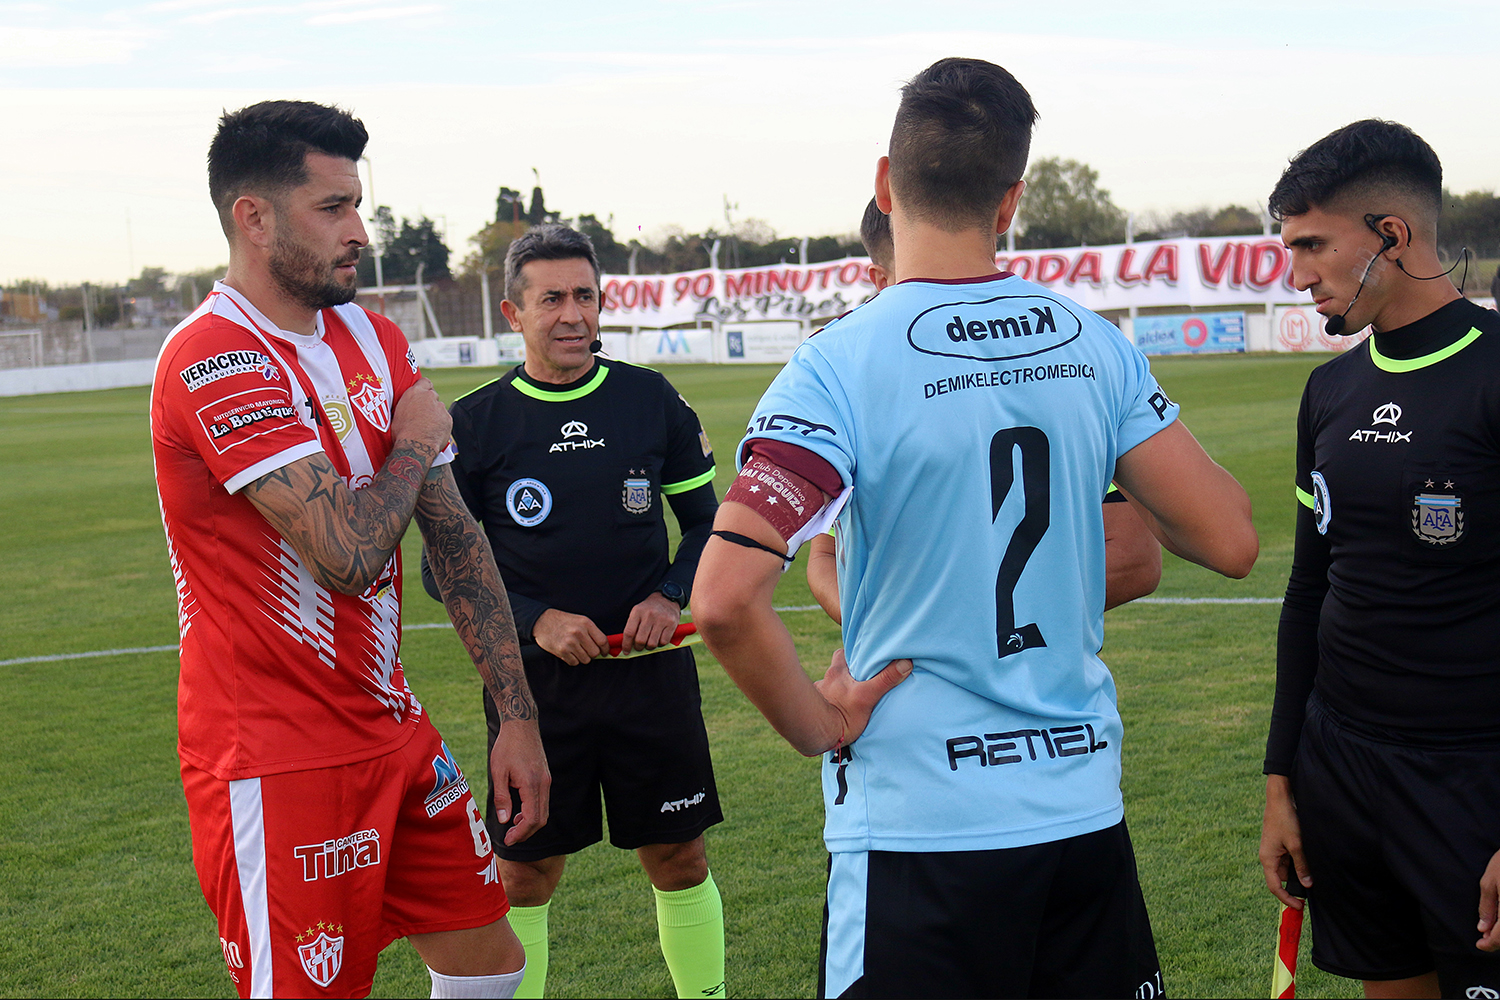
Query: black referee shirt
x,y
569,482
1393,607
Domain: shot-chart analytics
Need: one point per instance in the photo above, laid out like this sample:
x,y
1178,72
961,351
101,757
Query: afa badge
x,y
529,502
1437,518
636,496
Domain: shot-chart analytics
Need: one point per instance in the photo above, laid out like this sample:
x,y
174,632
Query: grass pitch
x,y
97,890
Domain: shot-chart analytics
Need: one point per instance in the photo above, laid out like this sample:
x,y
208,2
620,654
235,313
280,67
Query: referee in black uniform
x,y
1383,762
566,460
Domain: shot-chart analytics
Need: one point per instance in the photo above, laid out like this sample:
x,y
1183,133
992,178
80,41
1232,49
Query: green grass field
x,y
97,891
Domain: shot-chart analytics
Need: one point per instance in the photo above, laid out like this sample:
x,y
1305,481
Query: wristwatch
x,y
672,591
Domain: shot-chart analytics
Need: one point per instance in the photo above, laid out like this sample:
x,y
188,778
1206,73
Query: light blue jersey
x,y
978,424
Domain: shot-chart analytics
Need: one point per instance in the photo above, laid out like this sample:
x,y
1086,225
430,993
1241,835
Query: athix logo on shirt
x,y
367,393
999,329
449,784
200,373
333,858
1385,413
575,429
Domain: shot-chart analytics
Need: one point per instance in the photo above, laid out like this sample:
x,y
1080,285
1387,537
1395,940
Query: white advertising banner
x,y
1300,328
769,342
1194,273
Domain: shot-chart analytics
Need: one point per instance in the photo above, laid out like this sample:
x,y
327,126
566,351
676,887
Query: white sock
x,y
503,985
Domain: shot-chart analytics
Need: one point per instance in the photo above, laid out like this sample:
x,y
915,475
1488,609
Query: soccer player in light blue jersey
x,y
962,428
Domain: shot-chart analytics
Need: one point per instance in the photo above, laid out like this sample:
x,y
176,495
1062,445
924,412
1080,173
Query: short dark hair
x,y
1370,154
875,234
263,148
961,139
549,241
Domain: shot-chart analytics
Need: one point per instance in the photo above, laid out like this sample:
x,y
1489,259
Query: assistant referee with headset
x,y
566,461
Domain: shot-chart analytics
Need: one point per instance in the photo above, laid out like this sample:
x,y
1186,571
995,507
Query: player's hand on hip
x,y
574,639
855,700
1281,841
1489,902
651,623
420,415
518,761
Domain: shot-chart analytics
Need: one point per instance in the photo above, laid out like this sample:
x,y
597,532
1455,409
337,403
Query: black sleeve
x,y
695,510
1297,635
689,457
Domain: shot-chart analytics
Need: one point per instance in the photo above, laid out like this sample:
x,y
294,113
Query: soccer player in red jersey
x,y
294,440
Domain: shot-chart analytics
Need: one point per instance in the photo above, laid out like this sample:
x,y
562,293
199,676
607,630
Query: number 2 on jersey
x,y
1036,492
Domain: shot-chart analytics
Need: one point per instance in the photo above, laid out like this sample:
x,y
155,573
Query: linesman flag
x,y
1284,966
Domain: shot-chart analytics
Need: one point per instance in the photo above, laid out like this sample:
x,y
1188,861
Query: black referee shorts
x,y
629,729
1061,919
1398,830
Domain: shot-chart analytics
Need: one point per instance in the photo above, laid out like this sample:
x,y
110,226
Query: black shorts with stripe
x,y
628,730
1060,919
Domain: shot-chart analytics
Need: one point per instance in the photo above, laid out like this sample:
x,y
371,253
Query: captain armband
x,y
792,505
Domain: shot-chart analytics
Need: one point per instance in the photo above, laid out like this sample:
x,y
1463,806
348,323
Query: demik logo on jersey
x,y
365,392
1322,503
529,502
1438,518
575,438
323,956
448,784
636,496
1000,329
1385,413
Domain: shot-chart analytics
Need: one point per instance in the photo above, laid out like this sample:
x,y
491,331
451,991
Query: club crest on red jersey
x,y
366,392
323,955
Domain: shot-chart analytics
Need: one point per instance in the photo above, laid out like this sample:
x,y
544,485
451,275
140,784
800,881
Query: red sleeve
x,y
221,396
807,464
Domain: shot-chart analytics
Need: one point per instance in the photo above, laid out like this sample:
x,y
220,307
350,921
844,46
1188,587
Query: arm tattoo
x,y
345,537
465,570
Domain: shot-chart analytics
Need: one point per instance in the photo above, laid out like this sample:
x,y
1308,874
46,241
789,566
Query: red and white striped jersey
x,y
278,673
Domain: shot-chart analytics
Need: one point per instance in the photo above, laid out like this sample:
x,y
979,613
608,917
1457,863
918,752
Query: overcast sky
x,y
655,111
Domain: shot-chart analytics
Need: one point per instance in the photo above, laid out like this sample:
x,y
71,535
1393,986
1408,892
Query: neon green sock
x,y
690,923
530,925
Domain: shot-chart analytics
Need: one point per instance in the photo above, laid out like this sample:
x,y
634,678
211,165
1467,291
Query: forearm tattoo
x,y
346,536
473,593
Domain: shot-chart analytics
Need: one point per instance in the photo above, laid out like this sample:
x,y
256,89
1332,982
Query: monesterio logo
x,y
999,329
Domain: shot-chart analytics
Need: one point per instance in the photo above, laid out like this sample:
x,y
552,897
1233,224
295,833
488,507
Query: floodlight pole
x,y
375,237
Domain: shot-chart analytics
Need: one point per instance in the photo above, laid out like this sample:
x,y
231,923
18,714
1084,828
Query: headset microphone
x,y
1335,324
596,346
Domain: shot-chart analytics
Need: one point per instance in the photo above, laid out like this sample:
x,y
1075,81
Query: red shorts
x,y
312,873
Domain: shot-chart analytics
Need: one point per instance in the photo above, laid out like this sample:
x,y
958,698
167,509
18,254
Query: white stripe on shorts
x,y
848,896
250,859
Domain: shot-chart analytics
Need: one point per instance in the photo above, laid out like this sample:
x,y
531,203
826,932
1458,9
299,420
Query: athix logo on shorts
x,y
368,393
998,329
1385,413
333,858
575,429
680,804
448,783
195,376
529,502
323,955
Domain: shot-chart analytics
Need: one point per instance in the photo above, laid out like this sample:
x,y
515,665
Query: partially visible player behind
x,y
1132,557
962,427
1383,760
294,440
